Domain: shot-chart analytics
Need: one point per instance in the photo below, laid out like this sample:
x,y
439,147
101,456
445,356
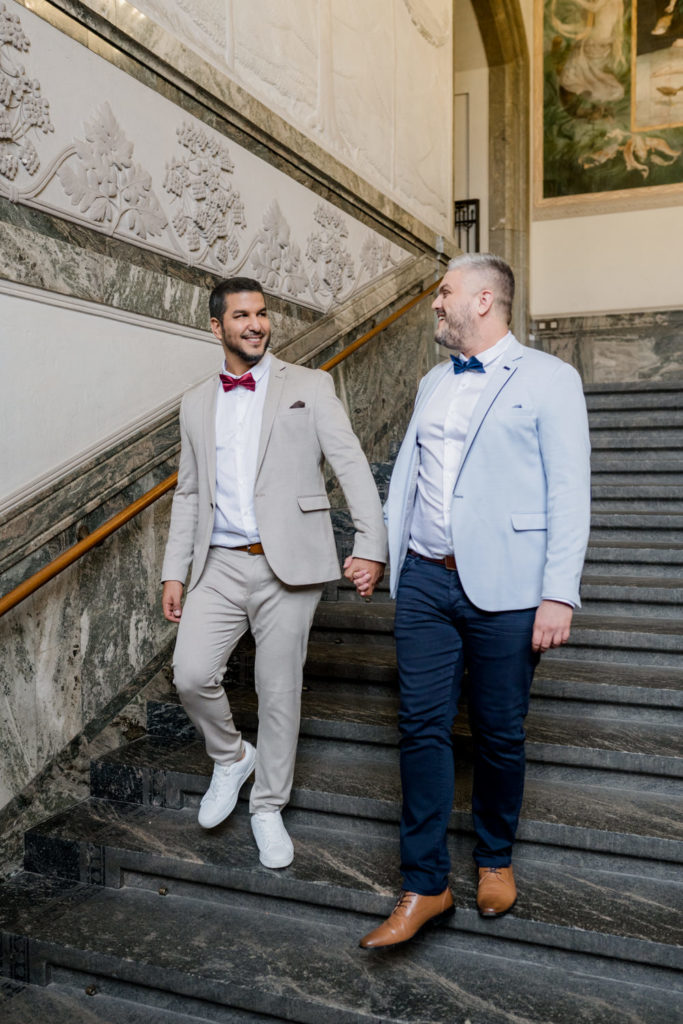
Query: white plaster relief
x,y
276,55
276,259
362,85
134,165
23,110
106,185
339,72
423,173
327,251
210,213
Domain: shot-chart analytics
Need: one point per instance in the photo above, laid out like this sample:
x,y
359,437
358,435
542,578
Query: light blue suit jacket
x,y
520,514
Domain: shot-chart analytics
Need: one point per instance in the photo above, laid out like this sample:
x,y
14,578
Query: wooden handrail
x,y
72,554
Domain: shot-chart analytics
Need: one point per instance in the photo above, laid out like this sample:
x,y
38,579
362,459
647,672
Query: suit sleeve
x,y
181,534
341,448
565,451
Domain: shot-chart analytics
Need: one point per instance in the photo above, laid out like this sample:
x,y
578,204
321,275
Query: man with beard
x,y
251,514
488,517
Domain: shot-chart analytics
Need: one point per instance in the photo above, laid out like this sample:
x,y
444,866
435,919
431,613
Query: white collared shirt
x,y
238,427
441,432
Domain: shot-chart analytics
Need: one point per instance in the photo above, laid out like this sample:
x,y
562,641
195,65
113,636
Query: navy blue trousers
x,y
438,633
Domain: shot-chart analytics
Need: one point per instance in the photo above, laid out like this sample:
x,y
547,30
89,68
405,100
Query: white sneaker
x,y
221,796
275,846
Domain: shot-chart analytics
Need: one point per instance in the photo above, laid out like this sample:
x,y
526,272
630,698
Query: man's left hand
x,y
551,625
364,574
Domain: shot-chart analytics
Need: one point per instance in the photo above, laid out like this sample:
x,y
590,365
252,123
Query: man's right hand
x,y
170,600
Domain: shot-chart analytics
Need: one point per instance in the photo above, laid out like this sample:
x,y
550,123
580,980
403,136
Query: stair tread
x,y
376,708
630,624
638,582
360,867
32,1004
323,654
629,546
377,617
281,960
365,777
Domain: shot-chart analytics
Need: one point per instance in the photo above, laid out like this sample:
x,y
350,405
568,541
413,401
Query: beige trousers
x,y
238,591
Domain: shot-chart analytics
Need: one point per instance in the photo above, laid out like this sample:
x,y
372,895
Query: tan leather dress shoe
x,y
497,892
411,913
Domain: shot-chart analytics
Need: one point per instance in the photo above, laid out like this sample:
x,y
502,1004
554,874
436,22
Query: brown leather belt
x,y
448,561
252,549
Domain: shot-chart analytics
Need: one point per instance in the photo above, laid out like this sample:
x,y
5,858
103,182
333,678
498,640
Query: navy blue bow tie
x,y
460,364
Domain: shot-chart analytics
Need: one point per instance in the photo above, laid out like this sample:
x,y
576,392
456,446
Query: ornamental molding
x,y
209,214
135,166
23,110
106,185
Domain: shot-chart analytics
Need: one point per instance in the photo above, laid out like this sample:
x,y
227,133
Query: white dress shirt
x,y
238,427
441,433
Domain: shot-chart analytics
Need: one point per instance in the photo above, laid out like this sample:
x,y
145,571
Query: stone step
x,y
635,686
660,639
362,780
646,504
649,742
632,595
560,677
667,417
66,1004
656,492
633,396
624,639
272,956
338,864
653,439
638,528
640,522
668,464
630,558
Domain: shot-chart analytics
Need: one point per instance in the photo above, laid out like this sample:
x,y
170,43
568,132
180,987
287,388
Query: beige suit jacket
x,y
291,504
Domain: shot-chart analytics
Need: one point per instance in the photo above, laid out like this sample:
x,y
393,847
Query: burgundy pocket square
x,y
298,405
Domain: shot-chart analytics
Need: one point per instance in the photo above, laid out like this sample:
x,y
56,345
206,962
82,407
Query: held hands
x,y
364,574
170,600
551,625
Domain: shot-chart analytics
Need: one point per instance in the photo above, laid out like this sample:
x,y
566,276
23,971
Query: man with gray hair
x,y
488,517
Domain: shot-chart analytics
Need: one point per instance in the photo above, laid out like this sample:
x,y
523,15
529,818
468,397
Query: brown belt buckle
x,y
449,562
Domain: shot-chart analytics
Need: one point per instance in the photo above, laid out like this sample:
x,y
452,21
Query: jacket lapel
x,y
276,380
506,368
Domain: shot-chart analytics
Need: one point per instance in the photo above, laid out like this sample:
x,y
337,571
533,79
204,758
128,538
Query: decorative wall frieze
x,y
110,153
23,110
106,185
209,213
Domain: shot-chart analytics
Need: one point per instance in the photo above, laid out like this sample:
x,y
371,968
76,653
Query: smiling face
x,y
455,307
243,330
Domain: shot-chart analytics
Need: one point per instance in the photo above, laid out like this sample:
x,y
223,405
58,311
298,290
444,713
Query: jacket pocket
x,y
313,502
529,521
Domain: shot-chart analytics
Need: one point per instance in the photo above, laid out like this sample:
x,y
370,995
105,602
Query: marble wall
x,y
74,645
616,347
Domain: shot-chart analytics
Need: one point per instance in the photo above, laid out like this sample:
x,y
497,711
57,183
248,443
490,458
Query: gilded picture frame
x,y
608,105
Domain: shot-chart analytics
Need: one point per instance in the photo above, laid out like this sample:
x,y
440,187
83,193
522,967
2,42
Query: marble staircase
x,y
128,912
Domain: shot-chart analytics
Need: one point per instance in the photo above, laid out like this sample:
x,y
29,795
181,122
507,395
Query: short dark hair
x,y
496,270
230,286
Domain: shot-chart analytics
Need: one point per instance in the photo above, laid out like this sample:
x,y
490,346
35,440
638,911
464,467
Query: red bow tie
x,y
245,381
